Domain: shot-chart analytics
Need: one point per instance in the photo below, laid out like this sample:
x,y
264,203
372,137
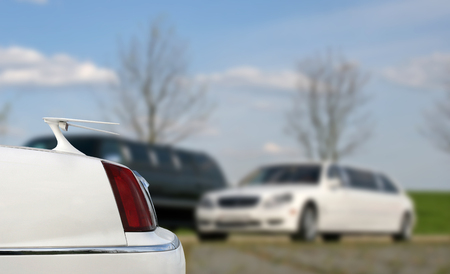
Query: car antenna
x,y
63,123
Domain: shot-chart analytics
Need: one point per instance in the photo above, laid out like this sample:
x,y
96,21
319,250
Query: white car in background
x,y
306,200
64,212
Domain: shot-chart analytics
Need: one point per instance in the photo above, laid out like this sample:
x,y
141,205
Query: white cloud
x,y
429,72
276,149
27,67
272,148
247,76
39,2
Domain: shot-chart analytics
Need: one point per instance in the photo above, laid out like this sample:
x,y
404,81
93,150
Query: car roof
x,y
324,164
44,150
117,138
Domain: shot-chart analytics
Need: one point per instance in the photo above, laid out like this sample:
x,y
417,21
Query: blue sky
x,y
248,50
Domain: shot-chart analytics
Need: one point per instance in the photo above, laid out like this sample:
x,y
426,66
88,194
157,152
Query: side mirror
x,y
334,183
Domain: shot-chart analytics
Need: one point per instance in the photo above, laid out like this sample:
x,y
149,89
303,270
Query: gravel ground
x,y
278,255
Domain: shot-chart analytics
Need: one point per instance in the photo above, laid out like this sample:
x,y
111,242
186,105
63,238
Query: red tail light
x,y
133,207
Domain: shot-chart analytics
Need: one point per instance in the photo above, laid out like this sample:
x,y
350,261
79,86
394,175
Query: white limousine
x,y
64,212
307,200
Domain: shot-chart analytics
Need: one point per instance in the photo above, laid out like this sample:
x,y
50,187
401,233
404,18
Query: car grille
x,y
237,224
238,202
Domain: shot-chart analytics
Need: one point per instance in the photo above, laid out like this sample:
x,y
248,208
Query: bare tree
x,y
325,117
154,94
437,122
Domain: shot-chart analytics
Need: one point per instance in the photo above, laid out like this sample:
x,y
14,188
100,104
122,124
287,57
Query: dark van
x,y
177,177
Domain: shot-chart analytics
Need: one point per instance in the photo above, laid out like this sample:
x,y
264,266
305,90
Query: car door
x,y
162,176
365,200
188,177
391,205
336,207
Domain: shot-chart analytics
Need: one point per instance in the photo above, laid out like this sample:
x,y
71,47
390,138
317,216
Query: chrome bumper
x,y
92,250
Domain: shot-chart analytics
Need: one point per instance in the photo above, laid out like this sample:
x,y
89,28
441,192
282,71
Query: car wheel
x,y
331,237
212,237
405,230
307,228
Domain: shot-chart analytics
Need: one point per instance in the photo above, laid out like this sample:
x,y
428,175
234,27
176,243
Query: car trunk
x,y
53,199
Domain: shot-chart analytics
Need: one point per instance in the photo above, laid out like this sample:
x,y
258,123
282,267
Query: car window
x,y
164,156
361,179
139,153
209,169
176,161
153,157
301,174
111,150
335,172
387,185
267,175
87,146
187,162
44,144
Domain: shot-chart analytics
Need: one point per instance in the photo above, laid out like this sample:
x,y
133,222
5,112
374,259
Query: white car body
x,y
59,215
340,207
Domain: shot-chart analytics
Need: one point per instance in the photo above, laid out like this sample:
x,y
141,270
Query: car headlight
x,y
206,203
278,200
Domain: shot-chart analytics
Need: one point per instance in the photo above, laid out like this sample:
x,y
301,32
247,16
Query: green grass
x,y
184,231
433,212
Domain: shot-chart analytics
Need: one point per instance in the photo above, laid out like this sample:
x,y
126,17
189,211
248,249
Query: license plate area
x,y
236,221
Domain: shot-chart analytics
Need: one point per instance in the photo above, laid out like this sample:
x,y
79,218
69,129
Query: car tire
x,y
331,237
307,227
212,237
405,231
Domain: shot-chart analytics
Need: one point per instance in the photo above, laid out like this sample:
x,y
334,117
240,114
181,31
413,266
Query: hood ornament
x,y
63,144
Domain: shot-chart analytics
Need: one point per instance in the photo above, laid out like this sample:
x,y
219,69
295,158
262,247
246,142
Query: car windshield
x,y
294,174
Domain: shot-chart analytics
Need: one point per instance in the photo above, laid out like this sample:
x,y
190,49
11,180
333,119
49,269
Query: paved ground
x,y
247,254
